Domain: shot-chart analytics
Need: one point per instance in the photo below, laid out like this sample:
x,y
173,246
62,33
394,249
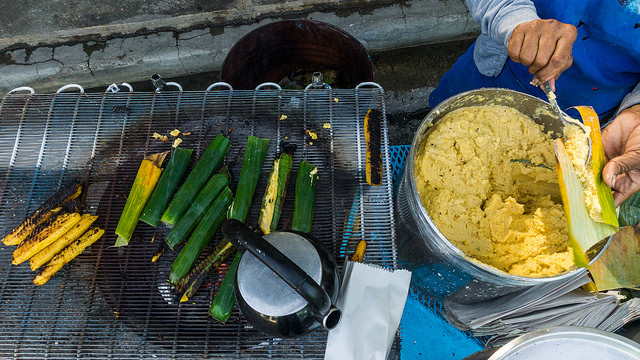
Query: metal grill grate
x,y
114,302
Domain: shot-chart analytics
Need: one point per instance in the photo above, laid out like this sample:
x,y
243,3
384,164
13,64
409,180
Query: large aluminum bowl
x,y
440,268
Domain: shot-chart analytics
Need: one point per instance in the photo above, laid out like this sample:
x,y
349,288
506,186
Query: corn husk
x,y
143,185
598,160
586,231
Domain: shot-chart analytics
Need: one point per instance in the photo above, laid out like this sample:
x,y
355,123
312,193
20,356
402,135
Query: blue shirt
x,y
605,29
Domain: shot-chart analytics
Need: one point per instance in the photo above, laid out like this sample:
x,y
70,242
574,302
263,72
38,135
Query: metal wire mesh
x,y
114,302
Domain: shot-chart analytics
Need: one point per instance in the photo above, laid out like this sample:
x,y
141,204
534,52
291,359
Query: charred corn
x,y
67,254
273,199
305,197
50,251
373,138
358,255
198,177
51,207
44,238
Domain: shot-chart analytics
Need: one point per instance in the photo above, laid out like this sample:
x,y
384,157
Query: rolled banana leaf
x,y
586,230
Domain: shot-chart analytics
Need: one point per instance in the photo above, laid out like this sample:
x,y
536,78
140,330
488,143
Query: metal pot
x,y
275,50
286,282
438,267
569,343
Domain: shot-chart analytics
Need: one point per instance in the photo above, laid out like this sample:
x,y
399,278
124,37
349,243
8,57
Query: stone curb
x,y
192,44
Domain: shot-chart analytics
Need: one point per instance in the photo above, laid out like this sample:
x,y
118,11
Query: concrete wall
x,y
180,42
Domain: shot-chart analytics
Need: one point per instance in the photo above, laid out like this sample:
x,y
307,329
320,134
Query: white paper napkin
x,y
372,299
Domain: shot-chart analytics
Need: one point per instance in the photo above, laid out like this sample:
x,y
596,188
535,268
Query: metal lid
x,y
266,292
569,343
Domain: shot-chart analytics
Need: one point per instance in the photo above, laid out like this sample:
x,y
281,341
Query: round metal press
x,y
266,292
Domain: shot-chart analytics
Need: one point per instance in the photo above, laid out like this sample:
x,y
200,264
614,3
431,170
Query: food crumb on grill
x,y
326,126
176,142
335,99
311,134
186,134
157,255
160,137
175,133
286,138
283,117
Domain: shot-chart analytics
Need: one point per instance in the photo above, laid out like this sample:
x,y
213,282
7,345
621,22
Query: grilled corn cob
x,y
44,238
305,197
50,251
373,138
188,285
42,214
167,185
67,254
273,199
358,255
201,236
198,177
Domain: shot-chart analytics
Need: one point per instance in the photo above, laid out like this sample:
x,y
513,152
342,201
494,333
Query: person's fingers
x,y
625,186
610,140
622,134
559,61
627,163
529,49
546,48
515,44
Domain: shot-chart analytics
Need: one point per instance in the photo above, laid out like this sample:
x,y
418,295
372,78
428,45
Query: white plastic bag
x,y
372,299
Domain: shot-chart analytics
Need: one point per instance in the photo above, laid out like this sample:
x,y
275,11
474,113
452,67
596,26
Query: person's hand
x,y
544,46
621,142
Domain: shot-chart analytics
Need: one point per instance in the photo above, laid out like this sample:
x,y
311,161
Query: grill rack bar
x,y
111,320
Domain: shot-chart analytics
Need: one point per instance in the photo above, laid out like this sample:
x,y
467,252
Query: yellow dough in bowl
x,y
486,176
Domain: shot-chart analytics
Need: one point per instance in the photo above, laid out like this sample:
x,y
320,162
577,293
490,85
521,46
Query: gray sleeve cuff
x,y
508,20
632,98
498,18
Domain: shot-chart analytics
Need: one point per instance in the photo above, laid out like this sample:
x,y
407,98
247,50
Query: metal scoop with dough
x,y
567,120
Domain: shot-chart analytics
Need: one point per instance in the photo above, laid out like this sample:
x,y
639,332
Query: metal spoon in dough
x,y
566,119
